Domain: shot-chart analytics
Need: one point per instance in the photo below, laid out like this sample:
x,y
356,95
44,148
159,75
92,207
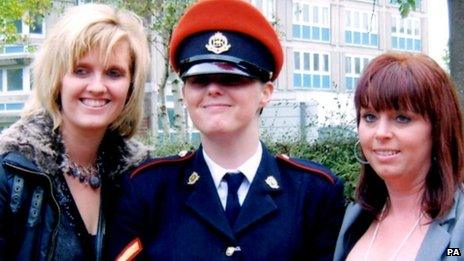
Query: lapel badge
x,y
194,177
272,182
218,43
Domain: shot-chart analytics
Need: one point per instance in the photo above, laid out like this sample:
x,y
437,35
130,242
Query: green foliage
x,y
161,15
160,18
334,151
165,147
446,58
14,10
405,6
171,148
333,147
168,15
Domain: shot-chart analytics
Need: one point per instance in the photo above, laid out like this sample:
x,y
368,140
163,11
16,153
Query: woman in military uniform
x,y
231,197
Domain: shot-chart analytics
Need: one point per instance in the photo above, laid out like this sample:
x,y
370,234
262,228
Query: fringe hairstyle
x,y
81,29
407,82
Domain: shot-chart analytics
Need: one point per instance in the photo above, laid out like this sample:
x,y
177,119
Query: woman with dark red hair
x,y
410,199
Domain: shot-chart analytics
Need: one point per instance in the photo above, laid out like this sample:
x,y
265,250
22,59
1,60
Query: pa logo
x,y
453,251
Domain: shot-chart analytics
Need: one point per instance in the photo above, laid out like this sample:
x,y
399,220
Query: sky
x,y
438,29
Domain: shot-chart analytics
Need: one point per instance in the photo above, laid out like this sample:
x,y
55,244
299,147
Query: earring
x,y
360,158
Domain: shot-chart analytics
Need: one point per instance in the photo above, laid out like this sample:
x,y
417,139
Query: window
x,y
267,7
13,48
15,106
11,80
19,26
311,70
170,112
37,27
354,66
361,28
311,22
405,34
81,2
14,79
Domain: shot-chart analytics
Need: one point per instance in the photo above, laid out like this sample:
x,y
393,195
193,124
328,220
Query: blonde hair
x,y
81,29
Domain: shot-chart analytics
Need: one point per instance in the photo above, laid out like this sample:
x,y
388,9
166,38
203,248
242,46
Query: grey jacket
x,y
442,234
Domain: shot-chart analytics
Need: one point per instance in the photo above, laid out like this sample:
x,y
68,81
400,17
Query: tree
x,y
13,10
160,17
456,39
456,44
405,6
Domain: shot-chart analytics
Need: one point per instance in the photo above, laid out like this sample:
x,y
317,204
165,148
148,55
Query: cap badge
x,y
218,43
194,177
272,182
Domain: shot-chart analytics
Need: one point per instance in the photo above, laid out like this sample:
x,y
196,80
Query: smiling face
x,y
398,145
221,104
93,94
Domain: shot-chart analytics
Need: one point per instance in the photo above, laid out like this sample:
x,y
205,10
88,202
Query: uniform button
x,y
231,250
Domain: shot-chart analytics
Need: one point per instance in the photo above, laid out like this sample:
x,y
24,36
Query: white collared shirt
x,y
248,168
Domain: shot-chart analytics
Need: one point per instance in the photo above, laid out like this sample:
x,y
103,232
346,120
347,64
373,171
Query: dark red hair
x,y
408,82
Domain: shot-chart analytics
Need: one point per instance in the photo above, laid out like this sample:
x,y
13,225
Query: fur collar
x,y
34,138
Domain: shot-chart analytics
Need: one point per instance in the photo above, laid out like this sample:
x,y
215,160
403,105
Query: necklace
x,y
376,231
85,175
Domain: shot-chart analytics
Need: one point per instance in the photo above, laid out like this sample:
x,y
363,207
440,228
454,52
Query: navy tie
x,y
234,180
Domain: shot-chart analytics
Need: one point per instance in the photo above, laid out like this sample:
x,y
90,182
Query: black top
x,y
73,242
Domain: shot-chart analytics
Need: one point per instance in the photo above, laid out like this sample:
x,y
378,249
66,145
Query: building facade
x,y
15,64
327,43
15,73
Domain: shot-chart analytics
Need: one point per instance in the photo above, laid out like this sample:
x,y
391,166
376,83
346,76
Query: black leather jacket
x,y
29,212
31,217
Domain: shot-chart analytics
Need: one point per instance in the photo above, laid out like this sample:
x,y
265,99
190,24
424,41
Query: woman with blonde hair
x,y
410,196
60,162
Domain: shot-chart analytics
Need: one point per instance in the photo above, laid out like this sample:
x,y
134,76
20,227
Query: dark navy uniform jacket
x,y
170,210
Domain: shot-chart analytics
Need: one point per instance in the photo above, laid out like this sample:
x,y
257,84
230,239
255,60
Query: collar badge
x,y
218,43
194,177
272,182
